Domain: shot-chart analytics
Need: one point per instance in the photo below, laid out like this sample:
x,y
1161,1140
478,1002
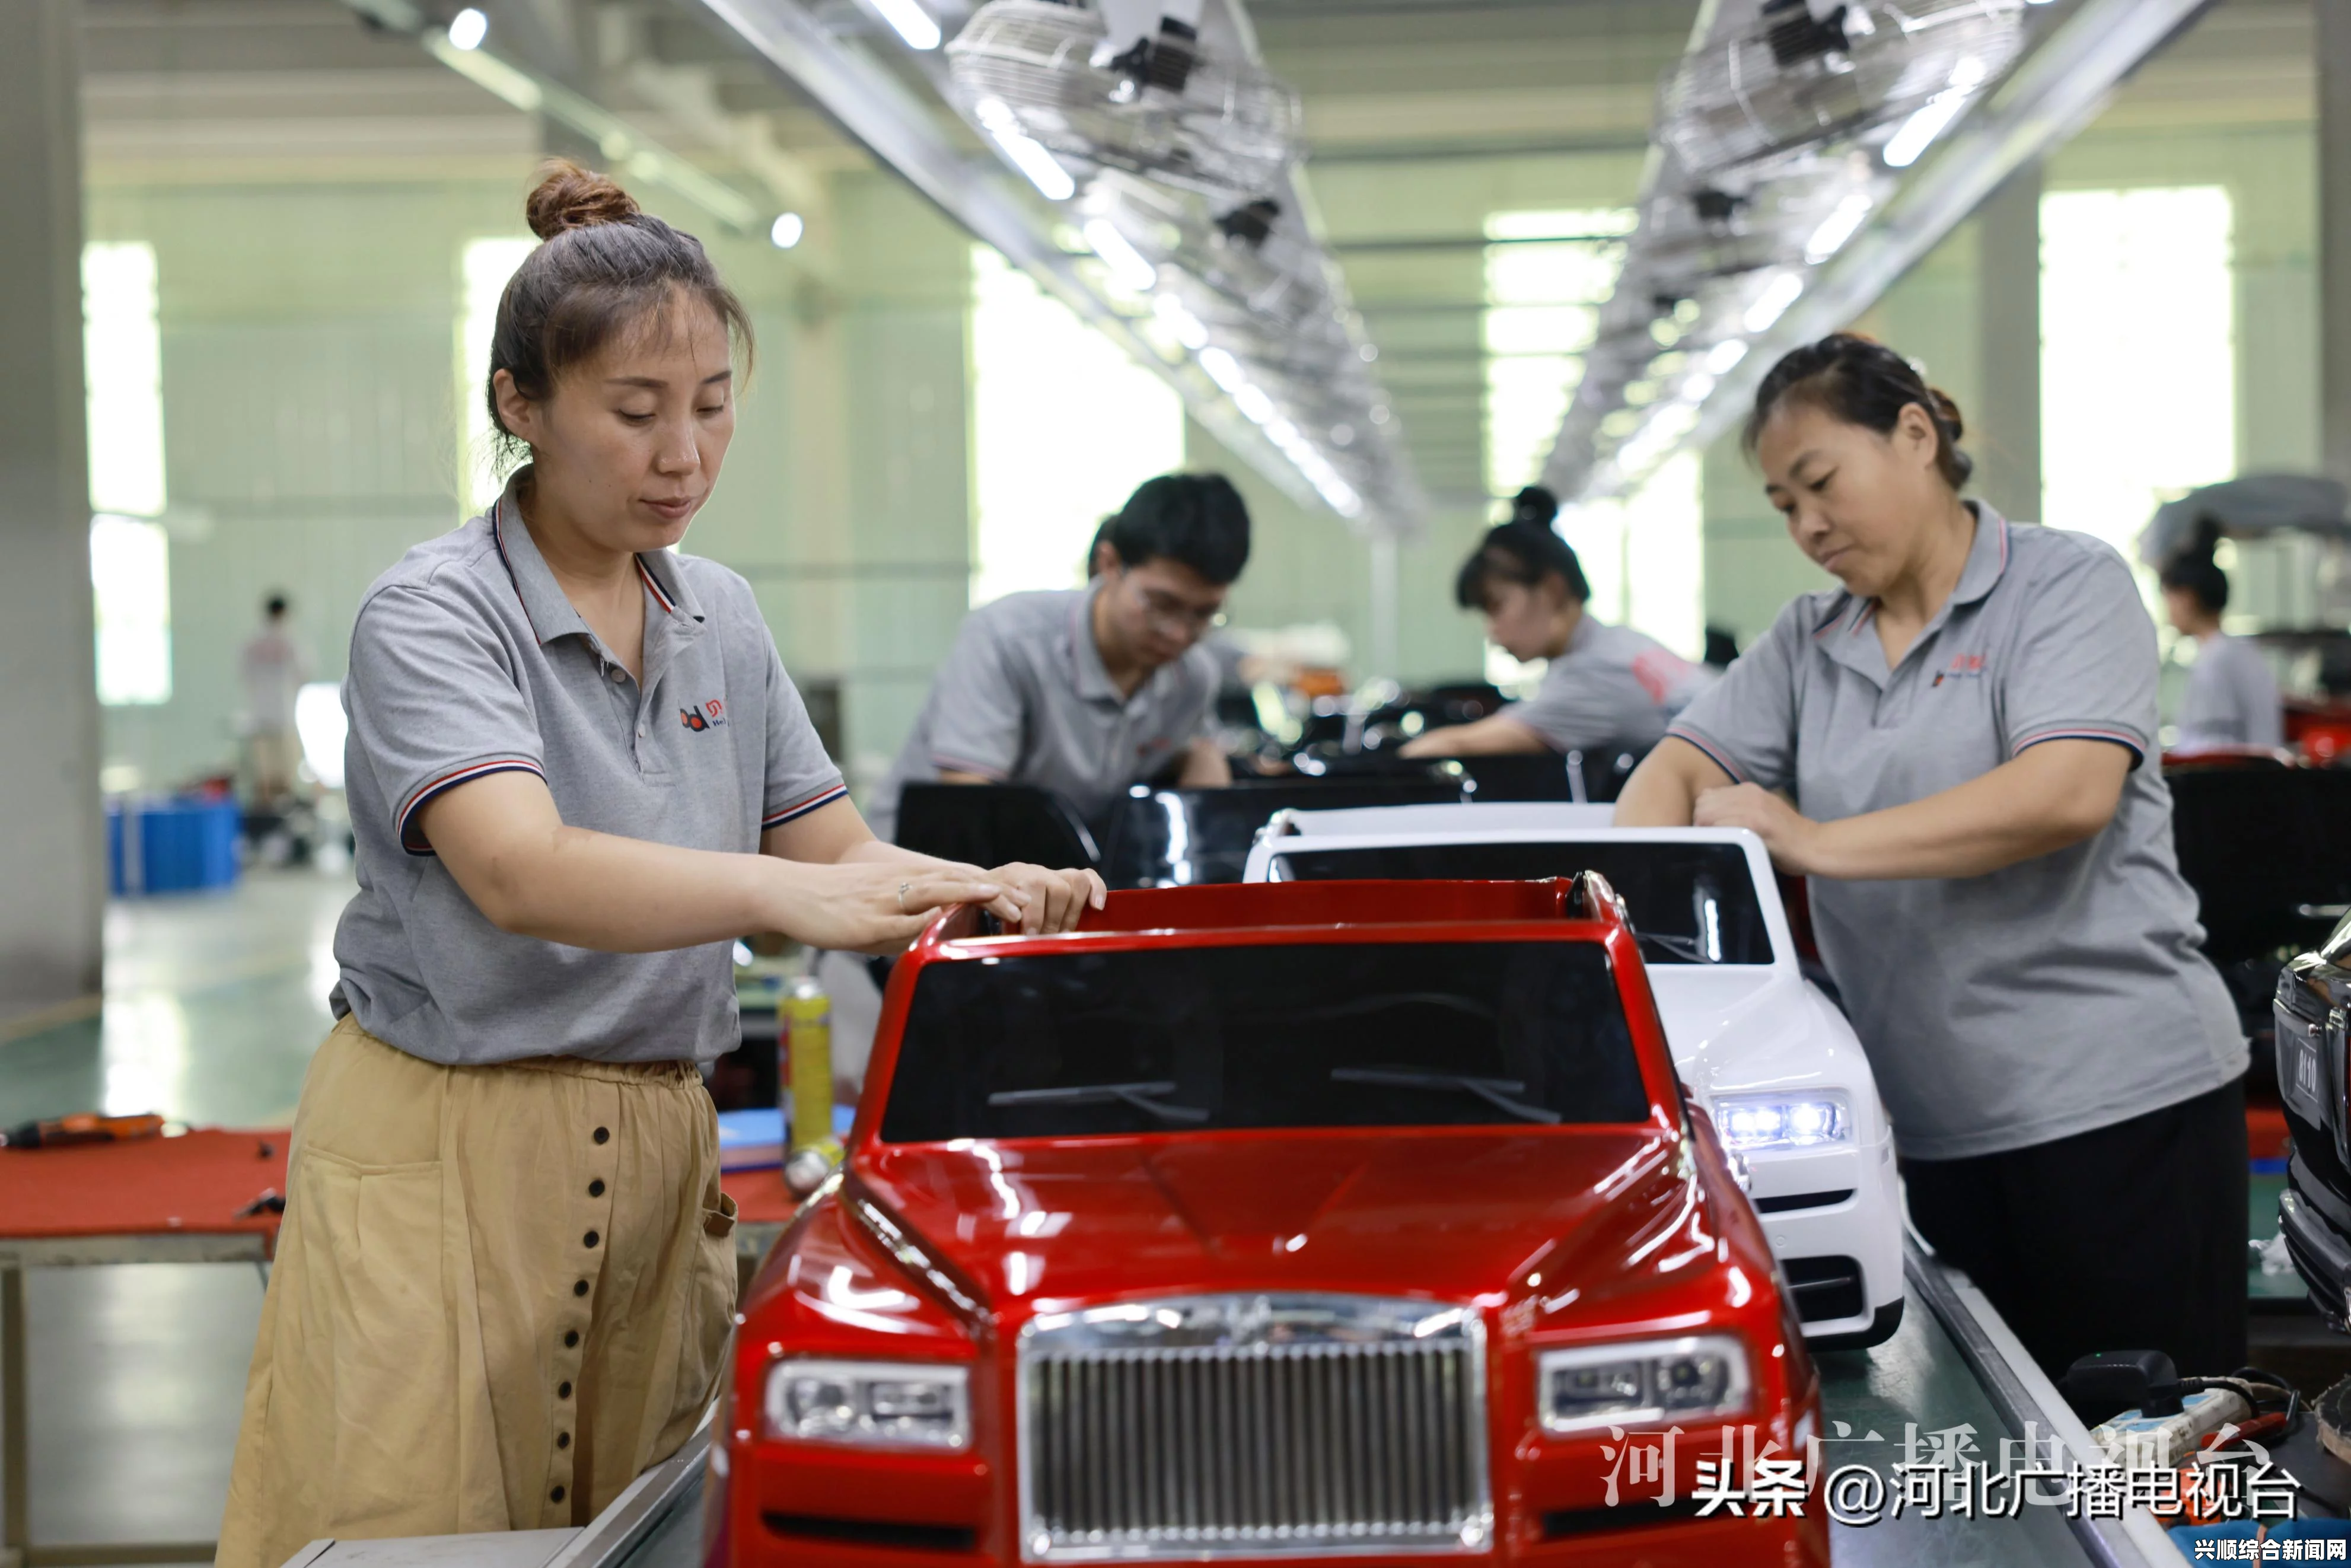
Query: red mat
x,y
190,1184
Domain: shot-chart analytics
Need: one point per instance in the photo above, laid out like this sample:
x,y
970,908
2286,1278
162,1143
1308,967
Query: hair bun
x,y
1948,412
570,197
1535,506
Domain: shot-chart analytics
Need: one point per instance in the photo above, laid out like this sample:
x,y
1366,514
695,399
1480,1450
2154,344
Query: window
x,y
2138,353
1392,1034
1545,281
122,374
1064,426
486,266
131,585
130,560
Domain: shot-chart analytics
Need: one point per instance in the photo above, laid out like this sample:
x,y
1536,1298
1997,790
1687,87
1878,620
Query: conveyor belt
x,y
1953,1374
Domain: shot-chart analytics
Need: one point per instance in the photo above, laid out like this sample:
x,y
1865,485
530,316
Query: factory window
x,y
122,375
130,588
129,561
1064,425
485,266
1547,275
2138,353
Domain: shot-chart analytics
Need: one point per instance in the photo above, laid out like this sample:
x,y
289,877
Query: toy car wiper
x,y
1682,947
1142,1096
1495,1092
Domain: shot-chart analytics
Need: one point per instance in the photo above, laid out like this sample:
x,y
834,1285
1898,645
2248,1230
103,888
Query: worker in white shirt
x,y
272,668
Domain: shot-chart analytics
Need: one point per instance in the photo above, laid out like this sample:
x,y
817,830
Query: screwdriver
x,y
87,1127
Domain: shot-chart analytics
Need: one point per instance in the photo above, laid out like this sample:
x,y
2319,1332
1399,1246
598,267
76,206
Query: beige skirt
x,y
500,1293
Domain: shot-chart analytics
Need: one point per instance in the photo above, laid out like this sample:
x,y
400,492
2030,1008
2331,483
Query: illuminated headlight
x,y
1752,1124
872,1404
1641,1384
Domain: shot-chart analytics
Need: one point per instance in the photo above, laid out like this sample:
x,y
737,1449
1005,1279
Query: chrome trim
x,y
1225,1376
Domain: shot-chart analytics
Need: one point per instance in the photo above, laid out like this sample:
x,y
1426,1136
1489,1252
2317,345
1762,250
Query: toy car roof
x,y
1322,904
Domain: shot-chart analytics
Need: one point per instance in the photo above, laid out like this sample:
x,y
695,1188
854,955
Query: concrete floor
x,y
214,1005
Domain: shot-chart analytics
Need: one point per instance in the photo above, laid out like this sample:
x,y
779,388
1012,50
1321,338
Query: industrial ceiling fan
x,y
1126,84
1809,72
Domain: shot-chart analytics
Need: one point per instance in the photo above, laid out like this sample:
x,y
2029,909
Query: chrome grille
x,y
1253,1424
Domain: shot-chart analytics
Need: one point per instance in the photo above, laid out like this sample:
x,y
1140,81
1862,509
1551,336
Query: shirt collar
x,y
1987,558
1085,655
1845,636
544,605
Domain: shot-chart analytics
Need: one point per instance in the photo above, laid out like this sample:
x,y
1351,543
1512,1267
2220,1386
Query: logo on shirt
x,y
1963,667
709,715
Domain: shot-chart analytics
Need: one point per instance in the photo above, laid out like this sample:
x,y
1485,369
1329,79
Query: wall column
x,y
2004,424
2335,239
52,854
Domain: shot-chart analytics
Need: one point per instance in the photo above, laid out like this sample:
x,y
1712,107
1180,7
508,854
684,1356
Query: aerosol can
x,y
806,1014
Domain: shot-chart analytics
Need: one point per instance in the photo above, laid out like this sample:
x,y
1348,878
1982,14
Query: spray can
x,y
806,1083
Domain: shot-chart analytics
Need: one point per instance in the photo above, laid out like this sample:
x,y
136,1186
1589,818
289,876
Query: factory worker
x,y
2231,697
578,772
1603,686
1086,691
1955,745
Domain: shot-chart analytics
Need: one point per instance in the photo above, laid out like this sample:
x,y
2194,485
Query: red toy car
x,y
1253,1223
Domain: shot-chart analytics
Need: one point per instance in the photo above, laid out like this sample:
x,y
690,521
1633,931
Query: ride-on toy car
x,y
1762,1048
1221,1230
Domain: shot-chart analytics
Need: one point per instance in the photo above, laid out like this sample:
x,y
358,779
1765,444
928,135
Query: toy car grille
x,y
1253,1425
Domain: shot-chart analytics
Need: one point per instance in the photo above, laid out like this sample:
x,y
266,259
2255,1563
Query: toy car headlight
x,y
1756,1123
1641,1383
870,1404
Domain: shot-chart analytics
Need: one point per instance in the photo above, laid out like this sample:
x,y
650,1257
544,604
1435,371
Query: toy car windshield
x,y
1125,1041
1690,903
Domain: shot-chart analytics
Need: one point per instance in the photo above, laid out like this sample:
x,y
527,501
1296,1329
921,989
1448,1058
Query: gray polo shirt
x,y
467,660
1611,686
2062,994
1024,698
2231,697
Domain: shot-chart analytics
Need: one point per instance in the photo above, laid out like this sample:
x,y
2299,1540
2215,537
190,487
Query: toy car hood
x,y
1377,1211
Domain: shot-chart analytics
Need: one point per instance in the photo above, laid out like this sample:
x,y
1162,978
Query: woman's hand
x,y
866,906
1050,901
1788,833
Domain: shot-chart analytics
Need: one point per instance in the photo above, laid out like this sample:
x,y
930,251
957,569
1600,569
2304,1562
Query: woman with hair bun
x,y
1955,745
1603,686
578,772
2231,697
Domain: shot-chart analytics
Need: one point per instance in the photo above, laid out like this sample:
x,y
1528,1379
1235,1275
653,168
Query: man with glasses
x,y
1086,691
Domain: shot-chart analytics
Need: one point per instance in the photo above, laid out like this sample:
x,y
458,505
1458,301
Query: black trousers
x,y
2130,1236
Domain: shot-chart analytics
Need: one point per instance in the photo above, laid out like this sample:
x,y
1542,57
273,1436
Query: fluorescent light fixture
x,y
1698,387
1223,369
787,230
910,22
1128,264
1187,327
1773,302
1027,154
1255,406
1724,357
1919,130
1838,228
468,27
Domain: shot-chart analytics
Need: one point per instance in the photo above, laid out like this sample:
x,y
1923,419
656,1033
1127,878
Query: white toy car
x,y
1764,1052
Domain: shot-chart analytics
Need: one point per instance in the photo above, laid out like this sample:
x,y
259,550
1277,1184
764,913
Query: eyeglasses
x,y
1171,614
